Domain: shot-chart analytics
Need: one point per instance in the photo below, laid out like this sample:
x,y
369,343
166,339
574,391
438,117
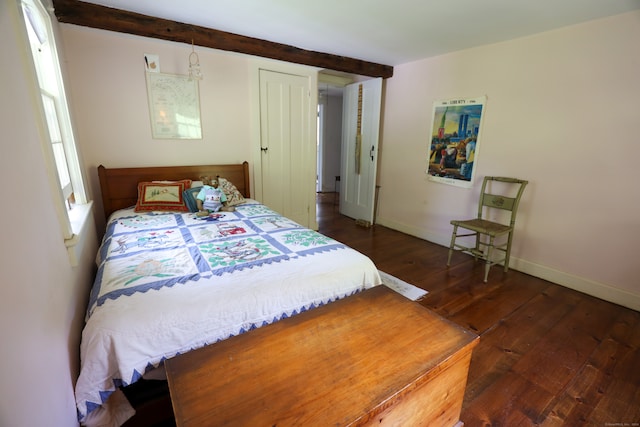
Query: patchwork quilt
x,y
168,283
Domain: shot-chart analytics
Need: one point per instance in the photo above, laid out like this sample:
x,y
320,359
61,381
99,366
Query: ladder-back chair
x,y
486,230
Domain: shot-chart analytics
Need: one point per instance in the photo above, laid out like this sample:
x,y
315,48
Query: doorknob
x,y
264,149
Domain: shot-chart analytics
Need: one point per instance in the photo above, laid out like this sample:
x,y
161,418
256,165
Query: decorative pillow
x,y
190,198
234,197
162,196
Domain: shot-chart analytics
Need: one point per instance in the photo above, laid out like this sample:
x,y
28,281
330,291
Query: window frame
x,y
48,79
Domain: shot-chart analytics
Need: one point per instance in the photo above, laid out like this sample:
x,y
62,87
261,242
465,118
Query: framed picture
x,y
174,106
454,141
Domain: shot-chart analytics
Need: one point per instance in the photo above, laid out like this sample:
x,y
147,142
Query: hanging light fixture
x,y
194,65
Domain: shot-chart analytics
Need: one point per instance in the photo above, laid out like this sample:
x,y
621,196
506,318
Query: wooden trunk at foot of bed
x,y
119,186
372,359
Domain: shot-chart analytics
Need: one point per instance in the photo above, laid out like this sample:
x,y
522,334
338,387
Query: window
x,y
61,150
53,123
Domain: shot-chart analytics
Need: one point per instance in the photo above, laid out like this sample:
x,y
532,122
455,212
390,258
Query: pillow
x,y
162,196
234,197
190,198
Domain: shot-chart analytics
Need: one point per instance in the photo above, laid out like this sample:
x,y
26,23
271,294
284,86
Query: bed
x,y
170,281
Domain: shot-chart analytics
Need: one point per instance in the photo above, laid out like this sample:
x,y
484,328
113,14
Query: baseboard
x,y
580,284
413,231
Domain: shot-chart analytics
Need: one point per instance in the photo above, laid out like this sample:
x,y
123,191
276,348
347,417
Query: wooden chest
x,y
375,358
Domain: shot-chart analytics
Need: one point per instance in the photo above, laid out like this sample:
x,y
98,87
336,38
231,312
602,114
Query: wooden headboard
x,y
119,186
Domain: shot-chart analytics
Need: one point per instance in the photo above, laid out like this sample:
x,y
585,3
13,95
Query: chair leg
x,y
453,241
507,255
477,246
487,266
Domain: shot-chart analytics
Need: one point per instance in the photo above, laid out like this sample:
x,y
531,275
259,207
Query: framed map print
x,y
174,106
454,141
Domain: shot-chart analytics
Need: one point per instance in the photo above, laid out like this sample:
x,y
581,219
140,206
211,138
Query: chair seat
x,y
483,226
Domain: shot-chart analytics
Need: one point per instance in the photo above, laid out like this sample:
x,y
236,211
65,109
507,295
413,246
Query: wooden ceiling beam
x,y
106,18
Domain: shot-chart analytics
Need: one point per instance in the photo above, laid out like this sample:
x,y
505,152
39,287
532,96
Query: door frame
x,y
256,65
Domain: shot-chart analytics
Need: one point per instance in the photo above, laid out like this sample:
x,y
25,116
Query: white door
x,y
287,149
360,131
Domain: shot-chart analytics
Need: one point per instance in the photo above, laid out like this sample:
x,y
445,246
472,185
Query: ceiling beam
x,y
106,18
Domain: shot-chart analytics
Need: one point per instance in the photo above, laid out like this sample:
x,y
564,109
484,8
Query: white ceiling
x,y
383,31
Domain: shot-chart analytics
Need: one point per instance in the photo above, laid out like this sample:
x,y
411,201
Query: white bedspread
x,y
171,283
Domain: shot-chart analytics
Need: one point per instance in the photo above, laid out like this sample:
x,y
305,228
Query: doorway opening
x,y
329,138
347,142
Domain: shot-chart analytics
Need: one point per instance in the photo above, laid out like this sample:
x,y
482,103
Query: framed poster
x,y
174,106
454,141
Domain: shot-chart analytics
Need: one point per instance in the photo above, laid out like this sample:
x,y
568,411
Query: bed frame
x,y
119,186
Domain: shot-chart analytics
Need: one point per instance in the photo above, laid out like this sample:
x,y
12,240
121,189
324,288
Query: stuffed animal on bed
x,y
211,198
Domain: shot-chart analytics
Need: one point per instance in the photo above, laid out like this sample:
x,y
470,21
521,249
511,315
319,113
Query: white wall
x,y
111,109
562,112
42,298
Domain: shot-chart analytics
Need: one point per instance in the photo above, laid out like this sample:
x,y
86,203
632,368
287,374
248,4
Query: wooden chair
x,y
497,193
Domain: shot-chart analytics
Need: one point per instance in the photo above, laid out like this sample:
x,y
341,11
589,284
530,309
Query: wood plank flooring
x,y
548,355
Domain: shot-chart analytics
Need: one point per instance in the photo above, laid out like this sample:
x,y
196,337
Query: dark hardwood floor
x,y
547,356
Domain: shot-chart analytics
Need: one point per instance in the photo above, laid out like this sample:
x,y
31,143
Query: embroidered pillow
x,y
162,196
234,197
